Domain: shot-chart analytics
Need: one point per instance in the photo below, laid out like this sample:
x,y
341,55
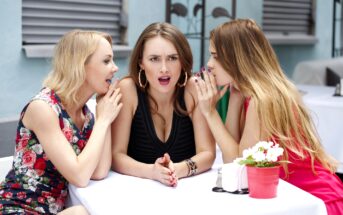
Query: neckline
x,y
153,130
85,111
150,124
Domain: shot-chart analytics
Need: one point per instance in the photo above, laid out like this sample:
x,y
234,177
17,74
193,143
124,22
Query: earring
x,y
140,80
185,82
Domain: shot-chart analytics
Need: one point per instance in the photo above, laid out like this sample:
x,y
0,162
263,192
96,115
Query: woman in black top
x,y
160,133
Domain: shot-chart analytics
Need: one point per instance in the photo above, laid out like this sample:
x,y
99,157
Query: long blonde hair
x,y
245,53
70,57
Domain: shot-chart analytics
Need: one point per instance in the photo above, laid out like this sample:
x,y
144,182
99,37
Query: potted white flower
x,y
262,161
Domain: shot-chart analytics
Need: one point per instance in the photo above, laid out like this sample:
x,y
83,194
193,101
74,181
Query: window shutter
x,y
45,21
288,17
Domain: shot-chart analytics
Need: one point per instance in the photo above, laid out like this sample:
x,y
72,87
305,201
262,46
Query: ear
x,y
141,65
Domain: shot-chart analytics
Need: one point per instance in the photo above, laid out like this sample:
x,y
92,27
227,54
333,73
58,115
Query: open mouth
x,y
164,80
109,81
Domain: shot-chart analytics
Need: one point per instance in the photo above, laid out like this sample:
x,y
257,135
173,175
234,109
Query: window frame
x,y
298,34
45,21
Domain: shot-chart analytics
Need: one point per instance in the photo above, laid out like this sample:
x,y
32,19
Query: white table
x,y
327,115
122,194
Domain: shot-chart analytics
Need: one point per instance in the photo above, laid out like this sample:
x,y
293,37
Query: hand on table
x,y
164,172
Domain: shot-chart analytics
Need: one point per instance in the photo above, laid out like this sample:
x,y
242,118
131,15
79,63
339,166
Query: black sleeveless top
x,y
144,144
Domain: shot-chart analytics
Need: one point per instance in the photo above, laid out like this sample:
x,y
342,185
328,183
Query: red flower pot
x,y
263,181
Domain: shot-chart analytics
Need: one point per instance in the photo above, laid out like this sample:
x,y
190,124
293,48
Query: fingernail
x,y
203,69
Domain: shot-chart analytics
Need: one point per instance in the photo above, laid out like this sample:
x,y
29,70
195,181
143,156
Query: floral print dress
x,y
33,185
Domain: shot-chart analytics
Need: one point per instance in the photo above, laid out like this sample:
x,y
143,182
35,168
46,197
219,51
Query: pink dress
x,y
321,184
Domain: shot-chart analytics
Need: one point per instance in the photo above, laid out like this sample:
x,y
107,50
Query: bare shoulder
x,y
127,87
39,113
128,90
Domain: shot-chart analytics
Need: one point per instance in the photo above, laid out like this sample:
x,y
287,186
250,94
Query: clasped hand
x,y
164,171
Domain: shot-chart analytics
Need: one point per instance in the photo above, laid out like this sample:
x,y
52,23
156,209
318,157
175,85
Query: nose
x,y
209,64
164,66
114,68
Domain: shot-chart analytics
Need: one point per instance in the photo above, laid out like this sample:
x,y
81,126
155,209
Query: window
x,y
289,21
45,21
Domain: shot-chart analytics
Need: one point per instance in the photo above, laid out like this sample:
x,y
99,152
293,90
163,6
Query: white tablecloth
x,y
327,114
122,194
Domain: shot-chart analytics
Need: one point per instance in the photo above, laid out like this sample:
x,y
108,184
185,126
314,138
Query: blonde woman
x,y
58,140
264,105
161,134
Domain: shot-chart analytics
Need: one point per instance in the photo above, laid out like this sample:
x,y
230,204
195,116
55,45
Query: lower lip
x,y
164,83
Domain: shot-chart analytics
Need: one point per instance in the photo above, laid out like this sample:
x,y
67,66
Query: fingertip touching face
x,y
161,63
100,68
222,76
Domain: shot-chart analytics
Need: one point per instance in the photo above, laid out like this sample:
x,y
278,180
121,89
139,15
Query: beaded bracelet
x,y
192,167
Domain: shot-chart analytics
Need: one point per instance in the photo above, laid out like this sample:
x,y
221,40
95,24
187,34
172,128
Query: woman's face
x,y
222,76
100,68
161,63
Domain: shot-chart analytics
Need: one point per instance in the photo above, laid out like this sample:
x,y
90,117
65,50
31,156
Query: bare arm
x,y
104,164
204,141
233,144
121,129
234,115
42,120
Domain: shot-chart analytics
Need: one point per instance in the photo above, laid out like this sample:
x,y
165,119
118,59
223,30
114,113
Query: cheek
x,y
223,78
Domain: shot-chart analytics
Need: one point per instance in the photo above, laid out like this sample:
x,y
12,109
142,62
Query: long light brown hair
x,y
175,36
245,53
72,53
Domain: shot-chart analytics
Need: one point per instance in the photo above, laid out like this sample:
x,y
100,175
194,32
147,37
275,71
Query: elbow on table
x,y
80,183
99,175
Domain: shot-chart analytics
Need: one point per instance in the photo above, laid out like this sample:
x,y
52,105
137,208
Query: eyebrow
x,y
156,55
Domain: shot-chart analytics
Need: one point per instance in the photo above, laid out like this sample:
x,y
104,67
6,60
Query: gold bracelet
x,y
192,167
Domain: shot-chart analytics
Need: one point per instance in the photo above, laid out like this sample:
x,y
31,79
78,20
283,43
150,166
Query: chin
x,y
222,83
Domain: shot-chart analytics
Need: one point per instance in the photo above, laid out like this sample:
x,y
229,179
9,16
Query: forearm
x,y
104,164
225,141
234,116
89,158
203,160
124,164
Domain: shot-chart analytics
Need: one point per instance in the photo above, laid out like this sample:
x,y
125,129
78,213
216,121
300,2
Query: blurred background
x,y
299,30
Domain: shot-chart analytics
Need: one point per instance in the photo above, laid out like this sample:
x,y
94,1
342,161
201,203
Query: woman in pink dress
x,y
264,105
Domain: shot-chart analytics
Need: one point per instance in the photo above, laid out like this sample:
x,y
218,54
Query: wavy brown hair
x,y
245,53
176,37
